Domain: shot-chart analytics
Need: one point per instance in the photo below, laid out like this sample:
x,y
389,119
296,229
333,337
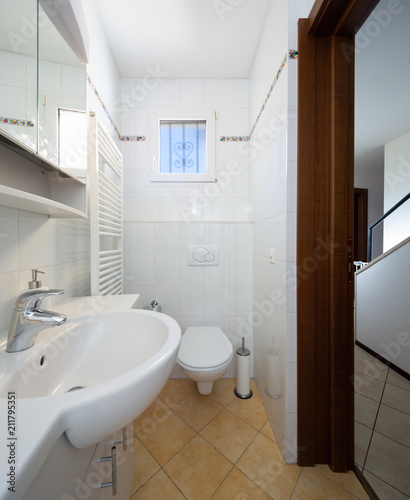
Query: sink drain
x,y
76,388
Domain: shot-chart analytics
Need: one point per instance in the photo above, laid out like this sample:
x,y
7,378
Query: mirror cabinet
x,y
42,110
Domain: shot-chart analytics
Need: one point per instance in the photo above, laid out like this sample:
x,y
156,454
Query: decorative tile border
x,y
13,121
291,54
127,138
275,80
132,138
235,138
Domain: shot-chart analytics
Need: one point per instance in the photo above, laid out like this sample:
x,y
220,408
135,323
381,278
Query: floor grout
x,y
232,464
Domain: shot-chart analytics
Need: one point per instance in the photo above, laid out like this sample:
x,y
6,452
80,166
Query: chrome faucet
x,y
28,319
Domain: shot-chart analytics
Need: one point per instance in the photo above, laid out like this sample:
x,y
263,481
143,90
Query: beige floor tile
x,y
389,461
251,410
347,481
369,387
222,391
383,490
361,443
371,368
361,353
160,487
313,485
198,469
394,378
267,430
156,410
396,398
237,486
166,436
263,464
145,466
198,410
365,410
394,424
176,391
229,435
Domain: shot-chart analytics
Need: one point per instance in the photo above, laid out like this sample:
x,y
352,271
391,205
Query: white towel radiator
x,y
105,198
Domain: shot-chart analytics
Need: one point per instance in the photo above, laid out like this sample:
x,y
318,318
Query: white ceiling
x,y
382,79
185,38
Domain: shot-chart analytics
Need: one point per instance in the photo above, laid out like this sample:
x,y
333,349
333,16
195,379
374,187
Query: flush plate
x,y
203,255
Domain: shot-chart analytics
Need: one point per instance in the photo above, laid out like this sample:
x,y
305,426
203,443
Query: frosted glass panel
x,y
182,147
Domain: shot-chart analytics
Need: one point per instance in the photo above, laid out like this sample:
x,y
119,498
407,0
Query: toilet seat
x,y
204,347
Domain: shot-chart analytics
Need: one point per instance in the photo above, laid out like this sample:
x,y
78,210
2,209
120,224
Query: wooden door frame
x,y
325,339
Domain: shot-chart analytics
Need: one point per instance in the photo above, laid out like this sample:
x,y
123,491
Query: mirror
x,y
18,75
42,87
61,101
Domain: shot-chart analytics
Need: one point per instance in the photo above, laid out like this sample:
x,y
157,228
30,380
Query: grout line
x,y
375,421
334,482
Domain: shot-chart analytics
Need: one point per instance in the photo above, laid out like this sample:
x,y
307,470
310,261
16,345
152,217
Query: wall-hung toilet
x,y
204,355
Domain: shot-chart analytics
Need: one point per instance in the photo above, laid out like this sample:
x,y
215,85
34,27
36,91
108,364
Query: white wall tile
x,y
37,240
141,237
167,269
240,270
167,237
241,238
169,209
215,92
192,92
140,269
237,121
240,300
191,234
237,93
192,301
218,234
168,297
218,275
9,257
191,275
146,209
9,291
169,93
216,301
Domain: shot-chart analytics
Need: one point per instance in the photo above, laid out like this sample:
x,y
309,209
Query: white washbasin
x,y
97,372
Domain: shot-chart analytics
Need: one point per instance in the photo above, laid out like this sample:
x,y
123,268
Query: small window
x,y
184,147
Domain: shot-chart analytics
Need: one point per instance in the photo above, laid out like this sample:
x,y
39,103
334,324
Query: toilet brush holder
x,y
243,379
